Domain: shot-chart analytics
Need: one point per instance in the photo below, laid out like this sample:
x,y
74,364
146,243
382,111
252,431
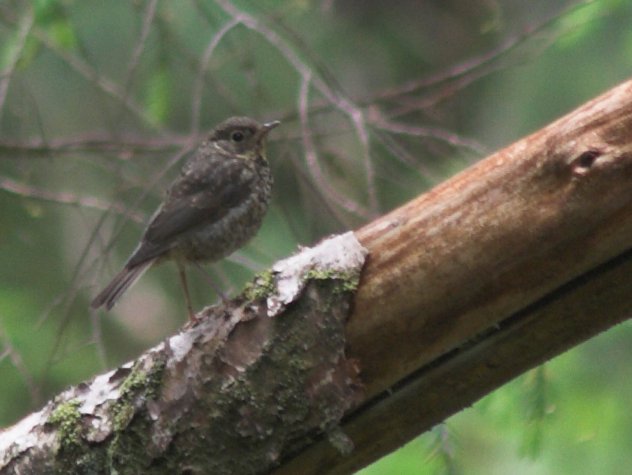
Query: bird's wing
x,y
199,197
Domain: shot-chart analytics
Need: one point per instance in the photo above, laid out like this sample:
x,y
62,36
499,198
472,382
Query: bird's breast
x,y
221,238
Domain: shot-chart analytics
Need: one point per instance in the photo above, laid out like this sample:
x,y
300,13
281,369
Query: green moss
x,y
67,418
124,409
154,377
122,416
260,287
348,280
148,381
74,456
128,447
263,283
139,383
131,421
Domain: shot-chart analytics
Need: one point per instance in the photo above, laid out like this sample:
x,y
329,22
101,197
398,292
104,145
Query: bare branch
x,y
27,191
436,133
23,32
102,83
463,74
312,158
148,18
196,96
9,351
336,98
93,143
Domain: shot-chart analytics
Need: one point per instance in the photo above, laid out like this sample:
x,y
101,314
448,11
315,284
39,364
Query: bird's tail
x,y
119,284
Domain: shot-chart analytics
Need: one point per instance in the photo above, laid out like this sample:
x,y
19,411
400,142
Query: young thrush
x,y
213,208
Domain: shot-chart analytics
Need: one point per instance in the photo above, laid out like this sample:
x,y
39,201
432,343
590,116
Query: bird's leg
x,y
185,288
211,282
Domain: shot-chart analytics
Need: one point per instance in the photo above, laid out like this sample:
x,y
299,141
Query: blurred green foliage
x,y
99,101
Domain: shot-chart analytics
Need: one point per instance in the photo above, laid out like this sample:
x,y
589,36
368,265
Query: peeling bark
x,y
251,383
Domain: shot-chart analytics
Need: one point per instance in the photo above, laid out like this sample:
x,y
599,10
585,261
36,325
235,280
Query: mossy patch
x,y
67,418
128,447
261,286
348,280
139,384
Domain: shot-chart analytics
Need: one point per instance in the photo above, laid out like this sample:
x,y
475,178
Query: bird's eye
x,y
237,136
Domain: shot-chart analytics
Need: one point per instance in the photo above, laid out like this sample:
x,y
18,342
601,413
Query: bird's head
x,y
242,137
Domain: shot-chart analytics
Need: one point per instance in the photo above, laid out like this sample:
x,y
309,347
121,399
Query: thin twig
x,y
470,66
16,360
104,84
26,25
94,143
148,18
312,158
27,191
435,133
341,102
198,86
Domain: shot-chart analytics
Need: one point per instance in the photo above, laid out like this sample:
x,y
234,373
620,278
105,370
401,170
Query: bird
x,y
214,207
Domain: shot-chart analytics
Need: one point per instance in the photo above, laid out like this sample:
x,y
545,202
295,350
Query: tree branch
x,y
505,265
266,372
500,268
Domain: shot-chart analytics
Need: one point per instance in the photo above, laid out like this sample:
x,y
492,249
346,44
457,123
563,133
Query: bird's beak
x,y
268,126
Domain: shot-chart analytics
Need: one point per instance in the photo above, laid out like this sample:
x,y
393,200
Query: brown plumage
x,y
213,208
